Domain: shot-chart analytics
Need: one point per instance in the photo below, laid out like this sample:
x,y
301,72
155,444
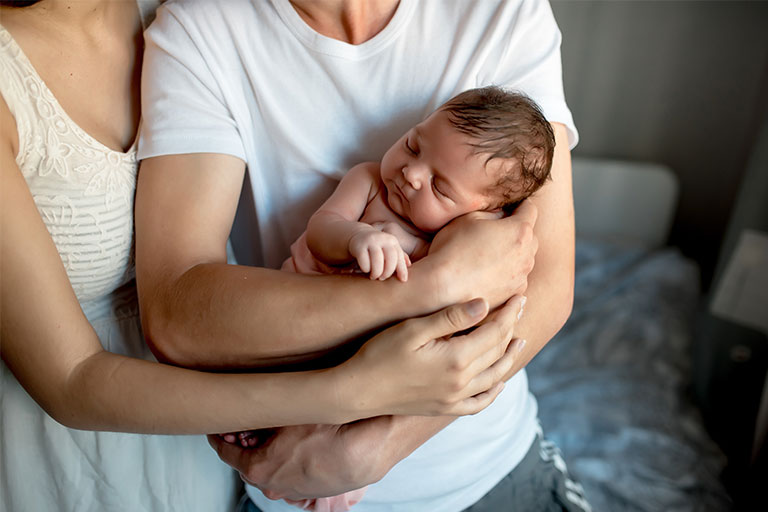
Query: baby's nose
x,y
412,177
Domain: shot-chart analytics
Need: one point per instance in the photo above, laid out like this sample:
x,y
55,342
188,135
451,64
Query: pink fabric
x,y
340,503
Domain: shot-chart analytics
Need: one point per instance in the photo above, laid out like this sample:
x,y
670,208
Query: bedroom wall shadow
x,y
681,83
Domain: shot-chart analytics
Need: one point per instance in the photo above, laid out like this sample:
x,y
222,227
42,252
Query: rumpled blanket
x,y
613,385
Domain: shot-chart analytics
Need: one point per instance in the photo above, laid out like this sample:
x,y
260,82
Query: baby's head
x,y
484,149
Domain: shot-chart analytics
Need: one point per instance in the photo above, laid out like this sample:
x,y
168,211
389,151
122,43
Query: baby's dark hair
x,y
511,126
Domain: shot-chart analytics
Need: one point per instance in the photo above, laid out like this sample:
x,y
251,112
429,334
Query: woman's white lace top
x,y
83,190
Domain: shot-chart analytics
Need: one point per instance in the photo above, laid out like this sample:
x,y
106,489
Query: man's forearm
x,y
225,316
199,312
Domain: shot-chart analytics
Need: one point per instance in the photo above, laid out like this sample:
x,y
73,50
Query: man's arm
x,y
550,283
197,311
386,441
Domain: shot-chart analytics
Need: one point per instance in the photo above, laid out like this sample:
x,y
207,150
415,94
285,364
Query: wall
x,y
683,83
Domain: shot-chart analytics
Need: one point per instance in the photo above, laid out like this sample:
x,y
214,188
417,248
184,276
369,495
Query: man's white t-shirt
x,y
250,78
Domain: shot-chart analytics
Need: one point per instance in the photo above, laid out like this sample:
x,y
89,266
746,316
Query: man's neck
x,y
351,21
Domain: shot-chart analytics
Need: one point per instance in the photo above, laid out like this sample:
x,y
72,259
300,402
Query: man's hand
x,y
310,461
483,255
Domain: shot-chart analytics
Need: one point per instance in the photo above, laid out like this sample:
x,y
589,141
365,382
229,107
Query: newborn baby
x,y
485,149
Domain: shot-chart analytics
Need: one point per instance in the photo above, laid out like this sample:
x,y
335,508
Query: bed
x,y
613,385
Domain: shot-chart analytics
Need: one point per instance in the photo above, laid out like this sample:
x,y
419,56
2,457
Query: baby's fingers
x,y
377,262
391,259
403,262
230,437
363,261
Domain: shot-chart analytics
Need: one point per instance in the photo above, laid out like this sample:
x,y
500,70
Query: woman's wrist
x,y
352,395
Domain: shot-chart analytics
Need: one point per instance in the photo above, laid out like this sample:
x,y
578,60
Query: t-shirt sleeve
x,y
183,105
531,63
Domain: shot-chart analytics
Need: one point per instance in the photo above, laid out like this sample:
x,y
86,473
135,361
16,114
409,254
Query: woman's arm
x,y
55,354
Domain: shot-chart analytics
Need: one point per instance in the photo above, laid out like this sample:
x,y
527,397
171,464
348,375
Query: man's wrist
x,y
433,289
390,439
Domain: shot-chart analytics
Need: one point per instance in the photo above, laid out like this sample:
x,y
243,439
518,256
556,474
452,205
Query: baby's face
x,y
433,175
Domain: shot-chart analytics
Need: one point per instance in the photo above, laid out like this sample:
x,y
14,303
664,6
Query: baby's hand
x,y
246,438
379,254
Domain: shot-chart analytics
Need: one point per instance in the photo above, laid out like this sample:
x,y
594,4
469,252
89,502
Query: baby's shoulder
x,y
366,169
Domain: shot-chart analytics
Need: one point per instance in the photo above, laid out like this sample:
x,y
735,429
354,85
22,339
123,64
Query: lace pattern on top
x,y
83,190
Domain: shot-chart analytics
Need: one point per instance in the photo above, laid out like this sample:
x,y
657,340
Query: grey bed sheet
x,y
612,385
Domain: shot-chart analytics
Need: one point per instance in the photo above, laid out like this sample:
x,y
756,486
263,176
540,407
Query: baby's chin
x,y
426,227
396,203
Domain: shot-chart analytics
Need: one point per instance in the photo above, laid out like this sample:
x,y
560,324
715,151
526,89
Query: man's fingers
x,y
484,215
526,212
451,319
514,306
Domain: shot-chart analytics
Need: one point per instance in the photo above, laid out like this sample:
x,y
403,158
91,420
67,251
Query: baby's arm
x,y
414,246
336,236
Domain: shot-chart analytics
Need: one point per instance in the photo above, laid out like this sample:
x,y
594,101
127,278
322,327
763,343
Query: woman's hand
x,y
423,367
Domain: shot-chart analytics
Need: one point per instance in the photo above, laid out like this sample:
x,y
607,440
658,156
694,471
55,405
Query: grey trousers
x,y
540,483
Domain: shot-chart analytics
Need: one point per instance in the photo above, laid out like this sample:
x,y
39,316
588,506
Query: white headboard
x,y
623,201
